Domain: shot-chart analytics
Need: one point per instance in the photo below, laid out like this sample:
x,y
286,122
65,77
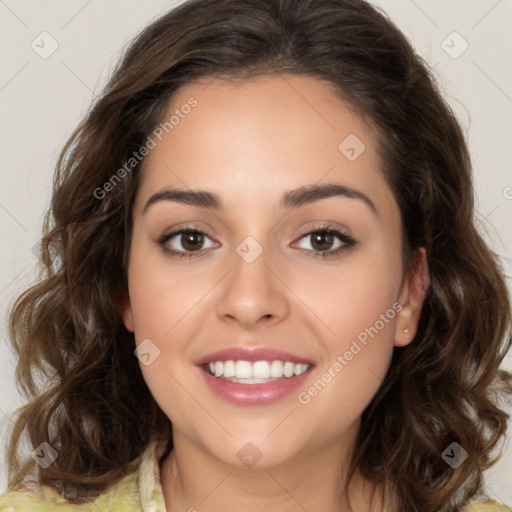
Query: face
x,y
300,296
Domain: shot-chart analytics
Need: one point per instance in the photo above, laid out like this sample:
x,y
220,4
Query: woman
x,y
271,207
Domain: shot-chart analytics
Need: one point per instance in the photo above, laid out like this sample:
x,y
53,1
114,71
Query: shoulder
x,y
486,506
139,490
32,497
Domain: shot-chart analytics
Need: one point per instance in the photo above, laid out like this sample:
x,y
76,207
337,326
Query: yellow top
x,y
139,491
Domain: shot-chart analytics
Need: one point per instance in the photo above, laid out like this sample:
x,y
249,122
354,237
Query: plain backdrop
x,y
467,44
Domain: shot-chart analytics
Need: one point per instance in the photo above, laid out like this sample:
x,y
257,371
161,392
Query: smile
x,y
253,376
247,372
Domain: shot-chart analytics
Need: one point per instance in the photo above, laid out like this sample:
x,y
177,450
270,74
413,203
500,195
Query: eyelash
x,y
348,242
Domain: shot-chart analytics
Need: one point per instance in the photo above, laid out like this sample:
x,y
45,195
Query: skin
x,y
250,143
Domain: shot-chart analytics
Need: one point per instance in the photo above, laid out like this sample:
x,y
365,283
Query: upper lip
x,y
252,354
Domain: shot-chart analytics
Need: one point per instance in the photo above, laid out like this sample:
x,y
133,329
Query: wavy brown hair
x,y
86,395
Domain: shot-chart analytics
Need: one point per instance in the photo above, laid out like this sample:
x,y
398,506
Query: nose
x,y
252,295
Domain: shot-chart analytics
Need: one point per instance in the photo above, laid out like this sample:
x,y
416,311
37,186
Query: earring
x,y
406,331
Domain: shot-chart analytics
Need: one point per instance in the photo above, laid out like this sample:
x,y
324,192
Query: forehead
x,y
251,140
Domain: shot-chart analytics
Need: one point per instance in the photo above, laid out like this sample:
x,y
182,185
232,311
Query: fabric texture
x,y
139,491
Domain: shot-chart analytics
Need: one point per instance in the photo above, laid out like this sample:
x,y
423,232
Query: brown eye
x,y
321,240
325,242
192,241
185,242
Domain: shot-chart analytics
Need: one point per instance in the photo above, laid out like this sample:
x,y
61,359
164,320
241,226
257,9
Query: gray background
x,y
42,100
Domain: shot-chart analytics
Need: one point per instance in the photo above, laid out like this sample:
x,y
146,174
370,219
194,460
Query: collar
x,y
148,482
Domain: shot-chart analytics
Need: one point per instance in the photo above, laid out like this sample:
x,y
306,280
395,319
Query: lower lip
x,y
254,394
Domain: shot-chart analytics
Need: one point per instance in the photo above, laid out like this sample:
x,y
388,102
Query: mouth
x,y
259,372
253,377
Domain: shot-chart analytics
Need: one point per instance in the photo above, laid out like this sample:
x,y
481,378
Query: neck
x,y
193,480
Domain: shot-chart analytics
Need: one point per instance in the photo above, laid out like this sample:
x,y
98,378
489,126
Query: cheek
x,y
168,302
163,294
165,308
356,308
356,359
352,296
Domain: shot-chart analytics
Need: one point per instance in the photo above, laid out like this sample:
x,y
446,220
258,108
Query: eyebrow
x,y
292,199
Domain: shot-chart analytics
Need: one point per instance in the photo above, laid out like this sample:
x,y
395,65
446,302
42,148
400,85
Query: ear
x,y
122,300
413,291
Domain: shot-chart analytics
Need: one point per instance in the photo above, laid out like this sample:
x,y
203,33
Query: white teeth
x,y
243,370
288,369
276,369
229,369
257,372
261,370
298,369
